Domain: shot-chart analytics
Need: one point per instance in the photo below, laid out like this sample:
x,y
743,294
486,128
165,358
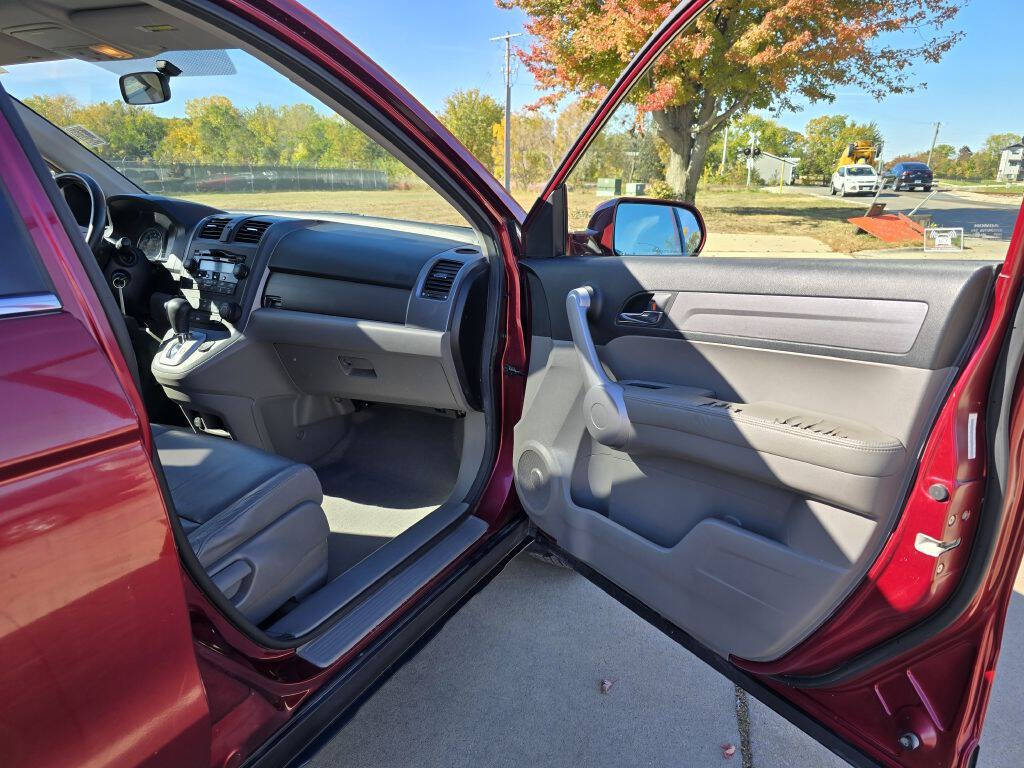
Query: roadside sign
x,y
943,239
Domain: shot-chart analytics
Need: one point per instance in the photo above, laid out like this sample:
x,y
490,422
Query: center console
x,y
220,278
217,277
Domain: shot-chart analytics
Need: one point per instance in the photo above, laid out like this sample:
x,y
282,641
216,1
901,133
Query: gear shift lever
x,y
179,316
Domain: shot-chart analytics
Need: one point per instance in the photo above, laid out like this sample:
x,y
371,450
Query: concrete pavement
x,y
513,679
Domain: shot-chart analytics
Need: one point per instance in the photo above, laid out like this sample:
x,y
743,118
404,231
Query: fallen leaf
x,y
728,750
606,685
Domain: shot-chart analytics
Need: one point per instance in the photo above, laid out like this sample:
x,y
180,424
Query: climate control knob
x,y
229,311
241,271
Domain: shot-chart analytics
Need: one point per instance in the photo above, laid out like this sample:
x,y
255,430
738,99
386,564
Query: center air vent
x,y
251,231
214,228
440,278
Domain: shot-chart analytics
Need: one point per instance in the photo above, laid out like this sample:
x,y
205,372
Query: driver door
x,y
803,470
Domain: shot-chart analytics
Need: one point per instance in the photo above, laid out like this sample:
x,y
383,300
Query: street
x,y
514,679
980,218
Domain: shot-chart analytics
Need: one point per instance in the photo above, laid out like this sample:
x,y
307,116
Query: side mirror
x,y
643,226
139,88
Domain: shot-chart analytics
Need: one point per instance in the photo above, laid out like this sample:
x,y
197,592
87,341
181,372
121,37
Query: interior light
x,y
109,51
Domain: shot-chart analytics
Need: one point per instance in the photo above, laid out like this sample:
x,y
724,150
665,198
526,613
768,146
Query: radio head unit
x,y
217,271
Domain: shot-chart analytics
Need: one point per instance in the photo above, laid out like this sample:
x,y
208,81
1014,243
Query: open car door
x,y
807,471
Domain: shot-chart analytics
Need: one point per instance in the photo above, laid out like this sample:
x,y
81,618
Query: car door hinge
x,y
511,370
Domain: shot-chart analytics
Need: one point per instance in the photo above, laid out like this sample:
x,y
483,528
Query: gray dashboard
x,y
301,316
369,273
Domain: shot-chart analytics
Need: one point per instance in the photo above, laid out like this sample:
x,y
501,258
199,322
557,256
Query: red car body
x,y
148,672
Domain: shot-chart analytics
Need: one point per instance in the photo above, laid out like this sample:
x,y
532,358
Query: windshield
x,y
860,170
235,134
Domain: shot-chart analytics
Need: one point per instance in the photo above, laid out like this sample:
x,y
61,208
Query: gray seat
x,y
254,519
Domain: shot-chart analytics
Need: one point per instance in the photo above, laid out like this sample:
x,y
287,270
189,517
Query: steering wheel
x,y
87,203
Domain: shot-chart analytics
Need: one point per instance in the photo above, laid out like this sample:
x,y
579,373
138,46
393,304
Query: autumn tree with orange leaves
x,y
738,55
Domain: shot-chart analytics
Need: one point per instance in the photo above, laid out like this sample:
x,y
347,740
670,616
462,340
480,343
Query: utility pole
x,y
935,138
507,37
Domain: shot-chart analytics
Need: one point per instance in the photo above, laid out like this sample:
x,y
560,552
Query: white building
x,y
1011,163
769,166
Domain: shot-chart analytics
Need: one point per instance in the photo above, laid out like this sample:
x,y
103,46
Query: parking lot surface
x,y
514,679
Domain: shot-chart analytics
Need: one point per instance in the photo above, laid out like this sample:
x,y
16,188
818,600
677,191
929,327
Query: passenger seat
x,y
254,519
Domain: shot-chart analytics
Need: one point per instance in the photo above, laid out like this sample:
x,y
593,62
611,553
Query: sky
x,y
436,48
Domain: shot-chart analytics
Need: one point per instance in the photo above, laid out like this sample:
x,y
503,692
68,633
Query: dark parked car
x,y
908,176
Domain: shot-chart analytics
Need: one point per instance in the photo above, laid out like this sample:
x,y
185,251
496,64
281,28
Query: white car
x,y
854,180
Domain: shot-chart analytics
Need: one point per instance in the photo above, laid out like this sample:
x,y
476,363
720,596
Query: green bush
x,y
661,189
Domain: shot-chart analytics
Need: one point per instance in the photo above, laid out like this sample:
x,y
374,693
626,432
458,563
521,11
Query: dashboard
x,y
349,306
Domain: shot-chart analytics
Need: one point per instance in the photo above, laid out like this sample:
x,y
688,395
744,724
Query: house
x,y
769,166
1011,163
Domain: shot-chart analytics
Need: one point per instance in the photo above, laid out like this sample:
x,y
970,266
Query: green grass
x,y
726,210
985,187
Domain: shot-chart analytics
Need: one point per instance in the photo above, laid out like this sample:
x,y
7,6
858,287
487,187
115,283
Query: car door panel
x,y
775,418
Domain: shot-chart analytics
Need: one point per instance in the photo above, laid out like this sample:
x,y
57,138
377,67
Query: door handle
x,y
604,407
647,317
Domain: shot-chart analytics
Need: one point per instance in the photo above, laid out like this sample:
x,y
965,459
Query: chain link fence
x,y
188,179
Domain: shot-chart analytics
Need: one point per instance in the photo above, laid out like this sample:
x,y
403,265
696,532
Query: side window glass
x,y
783,152
21,275
236,135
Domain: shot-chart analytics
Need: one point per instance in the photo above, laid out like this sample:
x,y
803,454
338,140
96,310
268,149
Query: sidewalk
x,y
766,246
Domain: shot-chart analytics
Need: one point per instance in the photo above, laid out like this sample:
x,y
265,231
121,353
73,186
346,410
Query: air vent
x,y
214,228
251,231
440,278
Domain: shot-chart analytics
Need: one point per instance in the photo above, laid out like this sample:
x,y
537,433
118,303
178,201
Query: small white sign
x,y
943,239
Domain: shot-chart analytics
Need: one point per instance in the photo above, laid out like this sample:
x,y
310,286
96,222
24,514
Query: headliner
x,y
65,29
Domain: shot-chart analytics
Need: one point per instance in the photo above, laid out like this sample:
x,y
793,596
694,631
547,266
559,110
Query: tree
x,y
985,162
772,137
533,152
737,56
131,133
471,116
128,132
59,109
824,140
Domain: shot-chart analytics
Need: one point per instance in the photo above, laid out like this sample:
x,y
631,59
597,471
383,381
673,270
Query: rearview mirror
x,y
643,226
139,88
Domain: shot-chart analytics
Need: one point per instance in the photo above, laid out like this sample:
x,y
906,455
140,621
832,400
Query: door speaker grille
x,y
534,476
